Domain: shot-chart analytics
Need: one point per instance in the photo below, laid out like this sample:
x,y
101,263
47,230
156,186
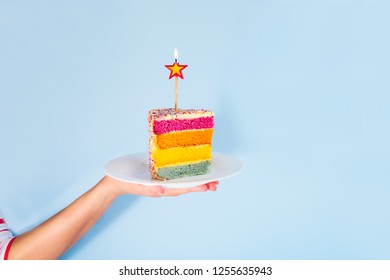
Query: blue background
x,y
301,95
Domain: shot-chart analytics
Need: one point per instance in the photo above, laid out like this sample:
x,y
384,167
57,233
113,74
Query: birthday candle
x,y
176,71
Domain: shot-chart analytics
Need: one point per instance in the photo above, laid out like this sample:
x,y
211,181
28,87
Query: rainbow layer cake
x,y
180,143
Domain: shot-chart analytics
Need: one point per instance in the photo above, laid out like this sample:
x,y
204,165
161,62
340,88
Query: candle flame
x,y
175,54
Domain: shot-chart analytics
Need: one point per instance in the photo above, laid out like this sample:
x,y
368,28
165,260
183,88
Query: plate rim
x,y
174,183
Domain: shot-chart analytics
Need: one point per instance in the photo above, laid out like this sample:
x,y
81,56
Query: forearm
x,y
55,236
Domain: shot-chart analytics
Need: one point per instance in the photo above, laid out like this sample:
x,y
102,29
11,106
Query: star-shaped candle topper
x,y
176,69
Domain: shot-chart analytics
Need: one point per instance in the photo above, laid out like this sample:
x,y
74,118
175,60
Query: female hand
x,y
156,190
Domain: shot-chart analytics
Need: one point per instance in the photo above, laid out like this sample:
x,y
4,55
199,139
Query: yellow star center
x,y
176,69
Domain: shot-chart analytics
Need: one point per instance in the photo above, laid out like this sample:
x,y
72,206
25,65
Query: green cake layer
x,y
185,170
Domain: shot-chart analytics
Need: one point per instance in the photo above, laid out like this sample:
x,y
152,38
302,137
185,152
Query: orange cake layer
x,y
184,138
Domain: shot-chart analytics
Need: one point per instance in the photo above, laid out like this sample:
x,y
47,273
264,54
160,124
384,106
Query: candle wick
x,y
175,60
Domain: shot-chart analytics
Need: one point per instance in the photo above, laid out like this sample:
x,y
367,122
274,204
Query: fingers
x,y
212,186
159,191
180,191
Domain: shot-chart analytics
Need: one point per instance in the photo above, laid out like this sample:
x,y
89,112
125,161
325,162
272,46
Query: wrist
x,y
109,187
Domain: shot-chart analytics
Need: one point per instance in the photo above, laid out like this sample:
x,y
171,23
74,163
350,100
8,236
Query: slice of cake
x,y
180,142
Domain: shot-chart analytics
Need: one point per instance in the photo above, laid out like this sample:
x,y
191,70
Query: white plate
x,y
134,168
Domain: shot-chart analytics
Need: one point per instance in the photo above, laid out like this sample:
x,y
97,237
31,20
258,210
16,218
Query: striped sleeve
x,y
6,239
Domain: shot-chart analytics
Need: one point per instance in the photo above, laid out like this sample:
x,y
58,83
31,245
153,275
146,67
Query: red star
x,y
176,69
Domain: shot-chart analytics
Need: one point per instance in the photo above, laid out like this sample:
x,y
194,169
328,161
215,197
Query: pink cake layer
x,y
165,126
